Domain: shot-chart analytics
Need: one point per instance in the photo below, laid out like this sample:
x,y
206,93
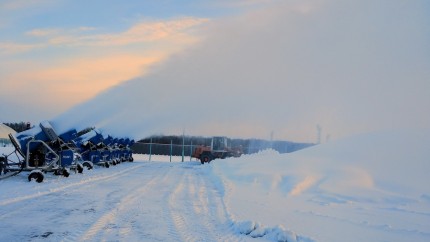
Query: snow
x,y
371,187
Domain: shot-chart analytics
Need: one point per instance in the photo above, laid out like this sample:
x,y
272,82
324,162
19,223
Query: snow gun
x,y
125,152
40,150
128,153
93,149
115,152
70,137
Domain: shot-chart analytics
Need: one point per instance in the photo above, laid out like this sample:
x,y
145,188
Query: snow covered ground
x,y
372,187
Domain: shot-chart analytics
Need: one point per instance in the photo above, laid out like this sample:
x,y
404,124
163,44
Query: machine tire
x,y
205,158
106,165
79,168
88,165
66,173
131,159
37,176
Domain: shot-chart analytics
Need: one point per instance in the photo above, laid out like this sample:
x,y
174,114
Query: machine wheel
x,y
88,165
205,158
79,167
131,159
66,173
114,162
106,165
37,176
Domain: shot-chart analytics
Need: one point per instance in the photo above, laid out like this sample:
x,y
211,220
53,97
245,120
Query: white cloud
x,y
13,48
10,5
43,32
142,32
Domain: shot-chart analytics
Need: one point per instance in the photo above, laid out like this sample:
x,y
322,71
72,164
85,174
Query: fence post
x,y
191,150
150,149
171,150
183,140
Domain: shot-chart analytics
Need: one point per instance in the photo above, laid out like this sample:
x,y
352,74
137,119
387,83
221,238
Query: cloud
x,y
43,32
244,4
142,32
13,48
348,66
22,4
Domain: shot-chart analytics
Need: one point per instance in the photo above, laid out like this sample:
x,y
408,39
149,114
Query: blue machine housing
x,y
67,158
93,149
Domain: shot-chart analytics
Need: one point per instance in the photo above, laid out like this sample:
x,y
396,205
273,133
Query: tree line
x,y
19,127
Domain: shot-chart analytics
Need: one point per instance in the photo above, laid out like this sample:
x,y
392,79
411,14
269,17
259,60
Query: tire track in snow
x,y
219,212
59,206
118,218
70,186
197,211
110,204
155,201
57,195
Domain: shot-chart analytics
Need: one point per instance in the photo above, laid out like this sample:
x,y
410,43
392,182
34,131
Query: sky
x,y
238,68
56,54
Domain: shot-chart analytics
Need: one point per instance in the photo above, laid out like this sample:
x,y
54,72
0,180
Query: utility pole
x,y
271,139
319,130
171,150
150,149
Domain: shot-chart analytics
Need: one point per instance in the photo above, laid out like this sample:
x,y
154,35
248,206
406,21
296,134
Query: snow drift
x,y
371,187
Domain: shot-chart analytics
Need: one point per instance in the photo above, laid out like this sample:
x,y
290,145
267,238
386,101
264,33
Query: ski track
x,y
150,201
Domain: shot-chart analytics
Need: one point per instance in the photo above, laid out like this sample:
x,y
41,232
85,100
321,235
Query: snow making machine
x,y
110,143
70,137
116,151
123,148
39,150
128,153
93,149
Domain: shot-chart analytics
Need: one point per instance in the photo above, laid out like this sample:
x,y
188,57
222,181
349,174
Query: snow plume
x,y
348,66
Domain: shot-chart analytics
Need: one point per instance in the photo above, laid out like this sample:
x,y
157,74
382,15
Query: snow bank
x,y
371,187
277,233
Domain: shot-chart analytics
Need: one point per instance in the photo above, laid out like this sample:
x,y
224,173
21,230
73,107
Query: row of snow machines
x,y
40,150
